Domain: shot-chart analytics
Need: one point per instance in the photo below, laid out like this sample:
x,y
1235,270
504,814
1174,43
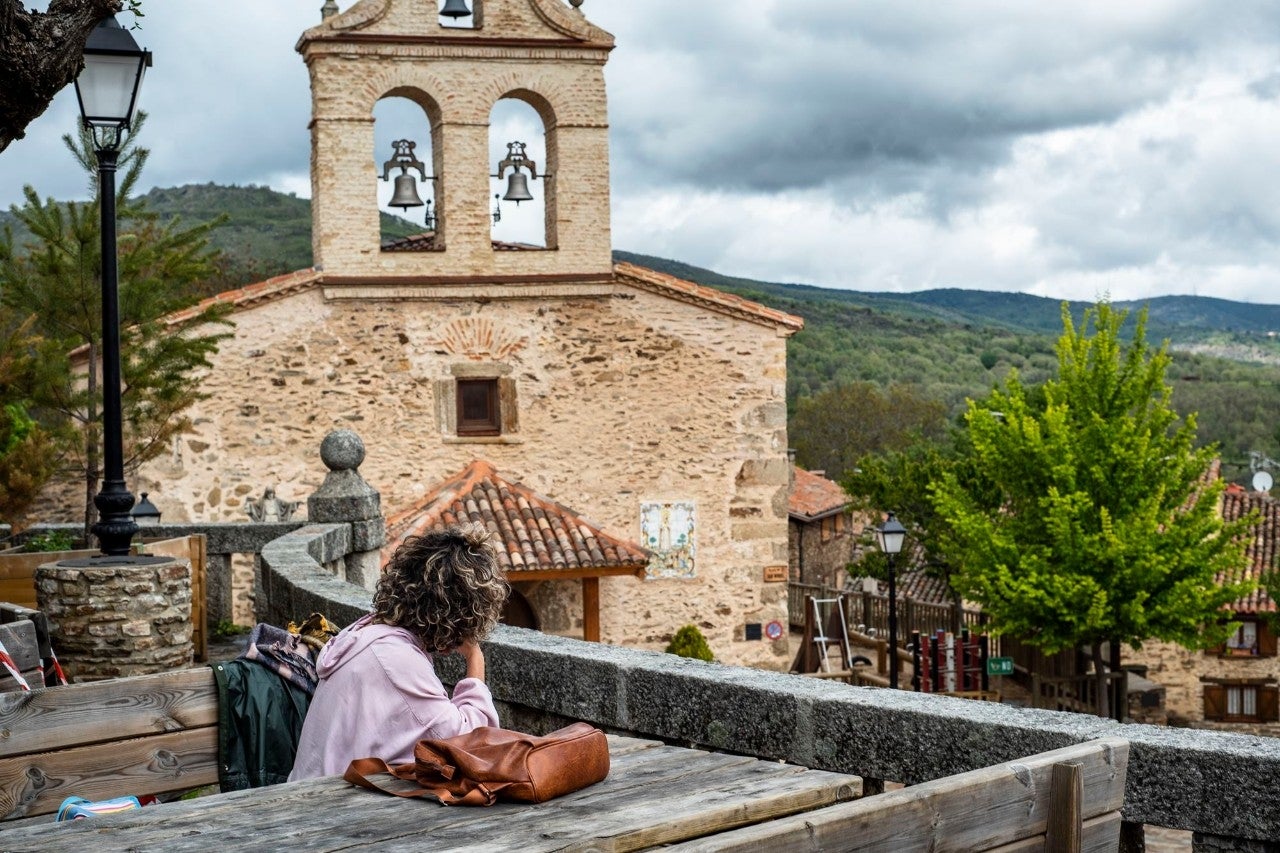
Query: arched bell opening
x,y
408,171
461,14
522,180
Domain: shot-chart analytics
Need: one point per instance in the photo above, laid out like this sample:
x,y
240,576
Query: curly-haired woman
x,y
378,692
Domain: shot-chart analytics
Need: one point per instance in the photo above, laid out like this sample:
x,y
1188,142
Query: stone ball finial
x,y
577,4
342,450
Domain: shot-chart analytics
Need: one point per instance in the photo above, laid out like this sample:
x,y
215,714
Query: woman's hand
x,y
470,651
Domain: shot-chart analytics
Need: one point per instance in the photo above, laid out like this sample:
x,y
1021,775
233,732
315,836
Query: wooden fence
x,y
868,613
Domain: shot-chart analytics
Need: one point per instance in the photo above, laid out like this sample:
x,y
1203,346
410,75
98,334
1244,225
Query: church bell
x,y
406,194
455,9
517,188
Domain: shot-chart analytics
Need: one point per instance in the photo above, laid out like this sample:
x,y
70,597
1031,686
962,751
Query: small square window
x,y
478,411
1244,641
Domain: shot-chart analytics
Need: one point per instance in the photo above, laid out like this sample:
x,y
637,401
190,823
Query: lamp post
x,y
891,535
107,89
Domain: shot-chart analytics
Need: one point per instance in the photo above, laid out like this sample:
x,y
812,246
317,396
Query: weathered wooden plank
x,y
93,712
19,639
175,761
970,811
33,677
327,814
1098,835
1066,793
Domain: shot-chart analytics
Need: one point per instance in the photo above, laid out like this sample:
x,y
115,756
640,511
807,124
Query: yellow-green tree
x,y
1104,528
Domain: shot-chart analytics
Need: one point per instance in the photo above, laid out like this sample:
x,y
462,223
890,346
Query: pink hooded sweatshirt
x,y
377,696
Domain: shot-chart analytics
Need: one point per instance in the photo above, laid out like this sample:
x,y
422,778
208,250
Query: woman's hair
x,y
443,586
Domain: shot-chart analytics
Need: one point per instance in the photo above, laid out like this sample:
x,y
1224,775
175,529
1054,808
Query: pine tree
x,y
56,279
1106,528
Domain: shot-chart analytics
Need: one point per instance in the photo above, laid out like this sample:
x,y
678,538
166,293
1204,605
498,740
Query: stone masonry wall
x,y
1179,670
623,398
122,620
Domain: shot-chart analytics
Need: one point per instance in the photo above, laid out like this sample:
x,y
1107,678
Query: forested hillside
x,y
944,345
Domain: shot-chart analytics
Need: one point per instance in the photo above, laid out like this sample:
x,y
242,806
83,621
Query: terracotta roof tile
x,y
669,285
534,533
261,291
1262,550
813,496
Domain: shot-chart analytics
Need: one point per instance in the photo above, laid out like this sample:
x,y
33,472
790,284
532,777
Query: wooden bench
x,y
151,734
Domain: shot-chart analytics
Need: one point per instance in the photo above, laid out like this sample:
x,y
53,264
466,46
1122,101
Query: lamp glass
x,y
107,87
891,535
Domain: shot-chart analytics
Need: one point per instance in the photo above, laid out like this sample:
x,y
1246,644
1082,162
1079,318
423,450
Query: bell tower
x,y
456,59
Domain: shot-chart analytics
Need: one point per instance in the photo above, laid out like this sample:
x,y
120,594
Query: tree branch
x,y
40,53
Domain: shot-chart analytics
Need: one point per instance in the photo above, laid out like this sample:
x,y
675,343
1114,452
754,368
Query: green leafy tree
x,y
1104,529
28,452
832,429
56,278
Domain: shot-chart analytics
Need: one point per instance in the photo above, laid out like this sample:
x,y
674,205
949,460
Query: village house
x,y
649,409
822,530
1235,686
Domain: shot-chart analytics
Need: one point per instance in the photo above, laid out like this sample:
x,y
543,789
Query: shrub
x,y
51,540
689,643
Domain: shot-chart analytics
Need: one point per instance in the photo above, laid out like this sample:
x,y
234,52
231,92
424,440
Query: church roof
x,y
814,496
630,275
536,535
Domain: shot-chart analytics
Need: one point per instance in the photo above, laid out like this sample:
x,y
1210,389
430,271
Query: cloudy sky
x,y
1067,149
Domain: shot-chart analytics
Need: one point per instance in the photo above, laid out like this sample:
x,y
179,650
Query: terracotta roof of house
x,y
687,291
1262,550
535,533
813,496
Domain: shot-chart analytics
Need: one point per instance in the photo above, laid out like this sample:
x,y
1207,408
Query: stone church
x,y
626,406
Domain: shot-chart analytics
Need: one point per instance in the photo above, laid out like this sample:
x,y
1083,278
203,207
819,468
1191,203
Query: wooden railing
x,y
868,613
1079,693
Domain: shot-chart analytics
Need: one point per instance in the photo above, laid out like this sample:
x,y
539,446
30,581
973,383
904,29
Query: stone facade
x,y
623,397
1180,671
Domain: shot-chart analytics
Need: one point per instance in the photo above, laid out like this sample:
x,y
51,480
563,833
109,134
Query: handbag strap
x,y
457,791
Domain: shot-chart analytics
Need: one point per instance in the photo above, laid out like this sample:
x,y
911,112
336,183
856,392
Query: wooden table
x,y
654,795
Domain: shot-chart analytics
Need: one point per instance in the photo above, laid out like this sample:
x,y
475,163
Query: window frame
x,y
490,425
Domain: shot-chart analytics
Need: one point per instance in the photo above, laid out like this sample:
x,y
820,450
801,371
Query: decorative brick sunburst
x,y
479,339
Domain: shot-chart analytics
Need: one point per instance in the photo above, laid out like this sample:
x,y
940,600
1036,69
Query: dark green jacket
x,y
260,719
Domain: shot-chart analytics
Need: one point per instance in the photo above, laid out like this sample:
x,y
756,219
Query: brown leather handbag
x,y
490,764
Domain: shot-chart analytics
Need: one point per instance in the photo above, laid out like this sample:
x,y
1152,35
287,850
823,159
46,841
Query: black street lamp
x,y
107,89
891,535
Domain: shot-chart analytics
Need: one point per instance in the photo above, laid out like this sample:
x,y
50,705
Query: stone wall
x,y
1179,670
820,562
118,620
624,398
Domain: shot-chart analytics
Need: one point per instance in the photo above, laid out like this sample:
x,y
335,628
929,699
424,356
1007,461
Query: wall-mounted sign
x,y
774,630
775,574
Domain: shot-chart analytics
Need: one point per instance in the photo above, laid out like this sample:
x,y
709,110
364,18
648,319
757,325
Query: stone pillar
x,y
345,498
118,617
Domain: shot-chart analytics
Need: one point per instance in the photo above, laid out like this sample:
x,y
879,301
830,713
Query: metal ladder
x,y
824,642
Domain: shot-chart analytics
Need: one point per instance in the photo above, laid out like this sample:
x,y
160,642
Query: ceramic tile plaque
x,y
667,530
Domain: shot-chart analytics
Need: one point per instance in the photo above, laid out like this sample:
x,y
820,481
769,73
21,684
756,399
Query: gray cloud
x,y
1055,147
